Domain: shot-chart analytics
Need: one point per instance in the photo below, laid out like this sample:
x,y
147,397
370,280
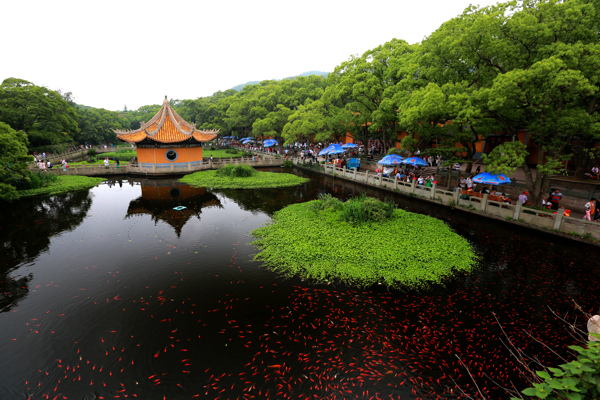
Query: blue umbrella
x,y
331,149
391,159
349,146
337,149
269,142
489,179
416,161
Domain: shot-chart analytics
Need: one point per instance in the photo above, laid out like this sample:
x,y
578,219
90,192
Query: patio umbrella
x,y
332,149
349,146
269,142
391,159
335,149
416,161
489,179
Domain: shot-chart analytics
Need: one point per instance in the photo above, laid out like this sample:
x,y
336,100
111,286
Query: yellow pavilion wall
x,y
157,155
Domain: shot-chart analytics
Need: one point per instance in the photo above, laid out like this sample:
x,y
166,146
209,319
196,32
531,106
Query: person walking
x,y
590,209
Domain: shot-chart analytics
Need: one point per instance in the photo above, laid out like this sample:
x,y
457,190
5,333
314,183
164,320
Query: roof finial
x,y
166,101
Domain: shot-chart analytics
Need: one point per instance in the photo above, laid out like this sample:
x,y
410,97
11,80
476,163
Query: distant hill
x,y
241,86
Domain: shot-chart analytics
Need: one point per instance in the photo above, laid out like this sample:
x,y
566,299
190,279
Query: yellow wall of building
x,y
157,155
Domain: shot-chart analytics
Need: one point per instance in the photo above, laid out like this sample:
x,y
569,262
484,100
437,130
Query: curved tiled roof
x,y
166,127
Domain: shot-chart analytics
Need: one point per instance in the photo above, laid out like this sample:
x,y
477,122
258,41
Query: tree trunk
x,y
469,168
537,188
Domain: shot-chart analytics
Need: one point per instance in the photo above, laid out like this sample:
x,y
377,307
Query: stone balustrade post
x,y
518,207
559,218
484,202
413,186
432,191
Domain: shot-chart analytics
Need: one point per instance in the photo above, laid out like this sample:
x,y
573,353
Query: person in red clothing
x,y
555,199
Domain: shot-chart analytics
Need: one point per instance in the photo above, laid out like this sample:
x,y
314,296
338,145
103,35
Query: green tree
x,y
96,125
365,86
319,121
528,66
42,114
272,125
13,160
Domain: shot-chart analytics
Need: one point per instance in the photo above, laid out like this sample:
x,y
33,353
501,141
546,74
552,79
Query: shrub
x,y
231,151
91,152
288,163
363,209
326,201
236,171
7,192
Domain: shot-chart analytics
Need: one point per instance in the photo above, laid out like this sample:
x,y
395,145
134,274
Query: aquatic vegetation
x,y
240,177
236,171
63,184
361,242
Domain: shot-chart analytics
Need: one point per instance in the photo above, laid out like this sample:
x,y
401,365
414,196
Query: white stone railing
x,y
480,203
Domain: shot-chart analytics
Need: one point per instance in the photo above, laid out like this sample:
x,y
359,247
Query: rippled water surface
x,y
113,294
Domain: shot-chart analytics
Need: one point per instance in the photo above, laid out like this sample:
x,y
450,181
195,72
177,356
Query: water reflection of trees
x,y
26,229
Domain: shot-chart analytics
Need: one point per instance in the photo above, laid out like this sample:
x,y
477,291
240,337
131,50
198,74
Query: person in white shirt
x,y
470,182
523,198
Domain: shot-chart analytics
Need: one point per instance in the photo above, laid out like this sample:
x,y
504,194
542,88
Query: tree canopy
x,y
524,70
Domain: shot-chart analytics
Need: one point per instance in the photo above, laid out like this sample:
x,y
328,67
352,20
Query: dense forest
x,y
517,66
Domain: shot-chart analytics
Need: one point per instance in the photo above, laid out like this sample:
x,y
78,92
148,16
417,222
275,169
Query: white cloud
x,y
115,53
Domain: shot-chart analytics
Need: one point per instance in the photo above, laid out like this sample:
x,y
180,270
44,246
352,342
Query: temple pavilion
x,y
167,139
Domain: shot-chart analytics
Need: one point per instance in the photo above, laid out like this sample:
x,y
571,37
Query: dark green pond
x,y
110,293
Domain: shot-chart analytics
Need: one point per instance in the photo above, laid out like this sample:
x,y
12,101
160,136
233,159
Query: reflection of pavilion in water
x,y
160,197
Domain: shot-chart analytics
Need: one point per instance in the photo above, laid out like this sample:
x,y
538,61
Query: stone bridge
x,y
172,169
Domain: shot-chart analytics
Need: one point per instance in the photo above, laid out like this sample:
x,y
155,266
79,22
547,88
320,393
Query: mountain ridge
x,y
241,85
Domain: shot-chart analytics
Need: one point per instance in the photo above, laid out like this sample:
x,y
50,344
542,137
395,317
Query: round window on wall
x,y
171,155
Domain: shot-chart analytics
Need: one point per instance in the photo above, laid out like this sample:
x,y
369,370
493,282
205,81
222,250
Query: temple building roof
x,y
166,127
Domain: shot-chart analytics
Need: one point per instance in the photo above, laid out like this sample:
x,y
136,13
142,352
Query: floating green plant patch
x,y
241,177
317,240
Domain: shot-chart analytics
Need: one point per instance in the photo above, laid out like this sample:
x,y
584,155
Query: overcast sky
x,y
112,54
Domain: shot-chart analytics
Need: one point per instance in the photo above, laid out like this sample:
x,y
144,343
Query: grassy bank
x,y
241,177
224,153
62,184
326,240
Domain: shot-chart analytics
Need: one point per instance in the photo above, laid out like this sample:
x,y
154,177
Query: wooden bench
x,y
472,193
